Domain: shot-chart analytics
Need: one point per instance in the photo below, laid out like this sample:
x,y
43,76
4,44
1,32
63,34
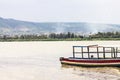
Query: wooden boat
x,y
93,56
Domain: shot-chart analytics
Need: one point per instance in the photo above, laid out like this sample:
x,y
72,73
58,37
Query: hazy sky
x,y
100,11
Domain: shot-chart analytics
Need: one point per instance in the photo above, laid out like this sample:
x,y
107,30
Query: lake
x,y
40,61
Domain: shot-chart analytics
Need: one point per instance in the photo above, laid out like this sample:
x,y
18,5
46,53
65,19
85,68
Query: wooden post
x,y
88,52
82,51
104,52
97,53
116,51
111,53
73,52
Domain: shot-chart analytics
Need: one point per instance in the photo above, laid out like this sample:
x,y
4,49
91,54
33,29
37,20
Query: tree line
x,y
106,35
62,36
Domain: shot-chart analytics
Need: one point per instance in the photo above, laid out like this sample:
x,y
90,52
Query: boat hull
x,y
91,62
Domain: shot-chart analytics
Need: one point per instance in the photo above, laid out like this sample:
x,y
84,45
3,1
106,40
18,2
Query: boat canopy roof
x,y
93,46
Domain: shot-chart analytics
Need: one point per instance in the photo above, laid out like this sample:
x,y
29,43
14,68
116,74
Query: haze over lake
x,y
40,61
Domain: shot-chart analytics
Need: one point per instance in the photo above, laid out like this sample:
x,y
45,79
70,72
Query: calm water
x,y
40,61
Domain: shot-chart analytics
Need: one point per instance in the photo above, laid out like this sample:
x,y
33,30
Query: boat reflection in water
x,y
95,73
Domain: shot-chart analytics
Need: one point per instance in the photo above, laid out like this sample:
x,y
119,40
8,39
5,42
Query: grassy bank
x,y
56,39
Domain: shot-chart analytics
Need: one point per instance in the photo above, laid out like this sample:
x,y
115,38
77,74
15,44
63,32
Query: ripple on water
x,y
98,73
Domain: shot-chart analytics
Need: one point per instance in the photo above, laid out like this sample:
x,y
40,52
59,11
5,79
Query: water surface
x,y
40,61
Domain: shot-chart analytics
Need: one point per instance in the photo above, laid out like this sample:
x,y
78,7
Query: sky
x,y
92,11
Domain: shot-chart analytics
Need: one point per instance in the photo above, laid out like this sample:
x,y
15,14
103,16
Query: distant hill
x,y
11,26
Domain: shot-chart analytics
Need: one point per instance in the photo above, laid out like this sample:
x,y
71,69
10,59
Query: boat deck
x,y
93,58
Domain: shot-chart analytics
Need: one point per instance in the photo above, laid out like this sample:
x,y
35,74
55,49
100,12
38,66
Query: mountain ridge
x,y
12,26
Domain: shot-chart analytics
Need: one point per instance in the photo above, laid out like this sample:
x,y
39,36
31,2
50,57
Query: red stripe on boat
x,y
91,61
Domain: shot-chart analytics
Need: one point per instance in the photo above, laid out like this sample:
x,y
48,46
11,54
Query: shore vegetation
x,y
62,37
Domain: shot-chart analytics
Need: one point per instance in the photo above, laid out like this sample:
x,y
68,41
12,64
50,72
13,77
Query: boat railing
x,y
95,51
